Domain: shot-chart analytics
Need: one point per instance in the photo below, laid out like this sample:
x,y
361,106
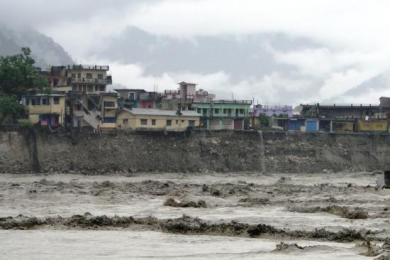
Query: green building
x,y
223,114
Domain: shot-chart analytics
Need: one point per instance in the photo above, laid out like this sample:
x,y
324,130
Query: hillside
x,y
44,49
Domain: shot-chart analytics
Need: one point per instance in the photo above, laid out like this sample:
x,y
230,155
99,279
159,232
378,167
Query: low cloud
x,y
330,50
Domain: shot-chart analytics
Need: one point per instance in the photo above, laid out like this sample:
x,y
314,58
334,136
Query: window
x,y
191,123
89,76
110,104
35,101
125,121
110,120
153,122
169,122
72,75
216,111
131,95
241,111
198,110
56,100
79,75
45,101
100,76
144,121
176,121
205,111
182,121
225,111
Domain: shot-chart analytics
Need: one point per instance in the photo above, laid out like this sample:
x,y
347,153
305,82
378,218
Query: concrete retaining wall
x,y
199,151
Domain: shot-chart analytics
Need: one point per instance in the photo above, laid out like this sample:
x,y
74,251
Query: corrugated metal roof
x,y
158,112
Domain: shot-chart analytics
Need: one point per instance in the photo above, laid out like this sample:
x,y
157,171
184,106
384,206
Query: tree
x,y
263,120
18,74
10,109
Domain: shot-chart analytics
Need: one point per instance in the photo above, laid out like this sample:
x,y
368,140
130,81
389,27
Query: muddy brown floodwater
x,y
195,216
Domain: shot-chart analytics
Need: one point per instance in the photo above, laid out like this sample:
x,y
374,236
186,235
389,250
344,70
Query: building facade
x,y
223,114
88,78
184,97
45,109
138,98
155,119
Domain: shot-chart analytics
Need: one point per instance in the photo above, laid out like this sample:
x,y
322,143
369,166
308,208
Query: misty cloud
x,y
273,51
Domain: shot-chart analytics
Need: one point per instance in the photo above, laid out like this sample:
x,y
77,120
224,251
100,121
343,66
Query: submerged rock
x,y
172,202
288,246
342,211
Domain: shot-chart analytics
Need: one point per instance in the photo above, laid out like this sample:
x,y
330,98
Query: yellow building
x,y
45,109
155,119
343,126
373,125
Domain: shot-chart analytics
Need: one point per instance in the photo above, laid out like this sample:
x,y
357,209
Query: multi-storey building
x,y
88,78
138,98
86,90
184,97
223,114
45,109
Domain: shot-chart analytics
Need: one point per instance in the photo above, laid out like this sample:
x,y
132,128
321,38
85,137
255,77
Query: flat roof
x,y
185,83
345,106
222,101
158,112
44,94
131,89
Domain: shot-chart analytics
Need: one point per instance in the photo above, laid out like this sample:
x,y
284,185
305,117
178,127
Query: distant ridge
x,y
44,49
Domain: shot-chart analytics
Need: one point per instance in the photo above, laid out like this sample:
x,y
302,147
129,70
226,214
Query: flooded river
x,y
195,216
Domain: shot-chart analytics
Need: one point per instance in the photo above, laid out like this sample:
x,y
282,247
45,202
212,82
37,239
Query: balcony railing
x,y
88,67
91,81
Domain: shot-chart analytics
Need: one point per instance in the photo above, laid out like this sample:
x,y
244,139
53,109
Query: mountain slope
x,y
45,51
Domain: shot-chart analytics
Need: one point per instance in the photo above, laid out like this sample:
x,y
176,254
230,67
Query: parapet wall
x,y
199,151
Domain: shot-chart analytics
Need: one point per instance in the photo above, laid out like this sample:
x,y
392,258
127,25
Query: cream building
x,y
155,119
45,109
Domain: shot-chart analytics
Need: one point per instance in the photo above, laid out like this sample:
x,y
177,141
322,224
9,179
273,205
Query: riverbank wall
x,y
27,150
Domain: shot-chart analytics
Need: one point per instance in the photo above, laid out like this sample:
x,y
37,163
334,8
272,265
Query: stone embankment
x,y
197,151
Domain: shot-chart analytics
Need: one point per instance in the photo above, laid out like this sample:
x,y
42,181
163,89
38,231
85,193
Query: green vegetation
x,y
10,109
18,75
264,120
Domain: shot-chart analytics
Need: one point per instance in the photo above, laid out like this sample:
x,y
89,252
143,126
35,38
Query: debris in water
x,y
286,246
172,202
341,211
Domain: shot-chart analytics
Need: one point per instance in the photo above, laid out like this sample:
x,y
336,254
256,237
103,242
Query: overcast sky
x,y
346,59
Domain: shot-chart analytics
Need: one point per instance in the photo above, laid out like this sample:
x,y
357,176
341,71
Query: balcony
x,y
88,67
106,81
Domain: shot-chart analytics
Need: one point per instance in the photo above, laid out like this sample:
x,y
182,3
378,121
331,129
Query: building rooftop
x,y
342,106
221,101
44,94
185,83
158,112
88,67
130,90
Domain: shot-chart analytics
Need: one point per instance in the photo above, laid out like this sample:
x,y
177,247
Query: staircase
x,y
91,117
